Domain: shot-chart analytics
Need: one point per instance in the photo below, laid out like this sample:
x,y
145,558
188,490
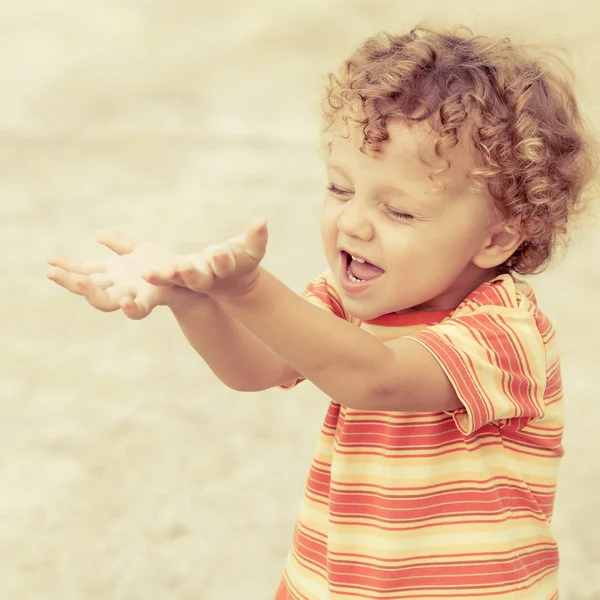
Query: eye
x,y
334,189
399,216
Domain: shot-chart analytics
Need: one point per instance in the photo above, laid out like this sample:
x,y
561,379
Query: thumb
x,y
256,238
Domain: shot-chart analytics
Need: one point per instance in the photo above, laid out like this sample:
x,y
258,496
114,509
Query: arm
x,y
234,354
350,365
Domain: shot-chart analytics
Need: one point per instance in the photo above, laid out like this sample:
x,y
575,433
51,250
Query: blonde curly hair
x,y
538,158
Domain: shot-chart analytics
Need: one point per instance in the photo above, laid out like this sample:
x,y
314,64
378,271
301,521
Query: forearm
x,y
338,357
234,354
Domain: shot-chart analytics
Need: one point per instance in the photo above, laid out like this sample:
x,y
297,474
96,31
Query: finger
x,y
222,262
117,241
195,273
82,285
108,300
162,275
139,307
73,282
83,267
256,239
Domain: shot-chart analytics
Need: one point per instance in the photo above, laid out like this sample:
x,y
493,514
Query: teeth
x,y
352,278
360,260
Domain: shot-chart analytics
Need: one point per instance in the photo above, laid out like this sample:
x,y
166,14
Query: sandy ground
x,y
127,470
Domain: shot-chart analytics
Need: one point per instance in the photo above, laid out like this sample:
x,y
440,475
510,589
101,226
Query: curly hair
x,y
538,159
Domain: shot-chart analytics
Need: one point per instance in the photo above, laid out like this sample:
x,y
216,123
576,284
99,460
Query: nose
x,y
353,221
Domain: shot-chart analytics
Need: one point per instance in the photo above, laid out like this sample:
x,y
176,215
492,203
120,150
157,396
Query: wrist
x,y
184,301
247,291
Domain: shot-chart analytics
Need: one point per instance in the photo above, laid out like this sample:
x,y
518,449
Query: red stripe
x,y
410,455
476,572
460,483
410,318
459,497
417,525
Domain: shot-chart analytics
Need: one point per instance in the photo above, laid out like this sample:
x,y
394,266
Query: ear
x,y
501,242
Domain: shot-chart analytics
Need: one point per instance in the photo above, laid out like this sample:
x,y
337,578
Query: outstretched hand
x,y
141,276
115,282
226,270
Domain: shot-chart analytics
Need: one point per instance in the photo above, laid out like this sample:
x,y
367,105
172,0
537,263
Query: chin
x,y
362,313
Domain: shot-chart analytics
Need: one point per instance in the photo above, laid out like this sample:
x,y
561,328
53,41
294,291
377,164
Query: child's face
x,y
383,208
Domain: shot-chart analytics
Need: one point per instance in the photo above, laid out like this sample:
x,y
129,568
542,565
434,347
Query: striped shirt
x,y
453,505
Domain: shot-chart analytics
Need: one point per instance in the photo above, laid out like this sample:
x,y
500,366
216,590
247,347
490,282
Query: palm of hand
x,y
116,282
142,276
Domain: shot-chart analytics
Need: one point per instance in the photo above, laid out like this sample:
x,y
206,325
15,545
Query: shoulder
x,y
494,350
504,292
500,315
508,302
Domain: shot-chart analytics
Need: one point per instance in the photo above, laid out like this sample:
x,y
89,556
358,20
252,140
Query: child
x,y
454,162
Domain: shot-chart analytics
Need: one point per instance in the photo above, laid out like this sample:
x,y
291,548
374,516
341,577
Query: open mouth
x,y
358,269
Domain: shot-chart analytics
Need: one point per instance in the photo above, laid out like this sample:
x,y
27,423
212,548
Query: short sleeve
x,y
322,293
496,362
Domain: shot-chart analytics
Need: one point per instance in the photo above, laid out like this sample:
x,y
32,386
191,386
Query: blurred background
x,y
127,470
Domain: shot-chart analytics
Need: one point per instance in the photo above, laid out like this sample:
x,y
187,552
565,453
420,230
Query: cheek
x,y
449,249
424,247
465,239
329,219
329,231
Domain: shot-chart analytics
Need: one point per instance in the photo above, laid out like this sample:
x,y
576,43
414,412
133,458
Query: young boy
x,y
454,162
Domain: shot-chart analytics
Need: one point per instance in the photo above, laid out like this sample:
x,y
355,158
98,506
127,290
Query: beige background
x,y
127,470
